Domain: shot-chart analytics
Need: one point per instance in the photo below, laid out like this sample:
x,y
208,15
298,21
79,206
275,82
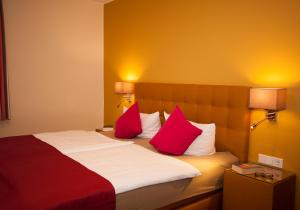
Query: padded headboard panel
x,y
226,106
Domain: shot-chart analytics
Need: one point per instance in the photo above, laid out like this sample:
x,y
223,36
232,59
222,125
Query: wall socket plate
x,y
270,160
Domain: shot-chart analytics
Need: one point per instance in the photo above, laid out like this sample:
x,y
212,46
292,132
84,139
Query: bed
x,y
161,195
226,106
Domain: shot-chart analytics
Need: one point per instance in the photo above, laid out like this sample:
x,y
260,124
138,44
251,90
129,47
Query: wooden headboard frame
x,y
226,106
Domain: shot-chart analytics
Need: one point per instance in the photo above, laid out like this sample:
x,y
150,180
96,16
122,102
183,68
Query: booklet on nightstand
x,y
245,168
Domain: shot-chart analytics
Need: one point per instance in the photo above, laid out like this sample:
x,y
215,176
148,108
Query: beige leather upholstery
x,y
227,106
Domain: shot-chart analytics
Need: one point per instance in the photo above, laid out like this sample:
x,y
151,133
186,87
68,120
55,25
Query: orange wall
x,y
54,62
251,43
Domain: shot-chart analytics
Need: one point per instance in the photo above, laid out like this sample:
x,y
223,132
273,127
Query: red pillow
x,y
129,125
176,135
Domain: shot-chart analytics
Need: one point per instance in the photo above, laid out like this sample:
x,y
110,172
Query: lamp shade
x,y
124,87
268,98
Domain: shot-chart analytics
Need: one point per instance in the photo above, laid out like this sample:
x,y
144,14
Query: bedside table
x,y
248,192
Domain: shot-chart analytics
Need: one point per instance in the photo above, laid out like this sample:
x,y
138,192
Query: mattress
x,y
126,165
159,195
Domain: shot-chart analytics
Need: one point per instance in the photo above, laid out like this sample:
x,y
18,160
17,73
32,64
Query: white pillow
x,y
204,144
150,124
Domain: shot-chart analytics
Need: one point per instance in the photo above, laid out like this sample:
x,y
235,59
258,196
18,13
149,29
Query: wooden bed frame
x,y
226,106
208,201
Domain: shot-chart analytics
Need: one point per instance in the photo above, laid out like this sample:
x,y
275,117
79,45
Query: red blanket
x,y
36,176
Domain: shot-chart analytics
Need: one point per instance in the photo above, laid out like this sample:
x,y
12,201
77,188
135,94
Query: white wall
x,y
55,65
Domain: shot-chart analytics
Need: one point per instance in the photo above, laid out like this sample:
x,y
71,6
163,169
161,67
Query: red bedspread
x,y
36,176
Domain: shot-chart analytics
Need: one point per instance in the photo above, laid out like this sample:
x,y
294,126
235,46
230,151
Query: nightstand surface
x,y
278,174
246,192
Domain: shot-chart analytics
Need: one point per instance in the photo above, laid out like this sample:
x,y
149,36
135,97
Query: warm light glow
x,y
131,76
268,98
276,70
130,73
276,77
131,68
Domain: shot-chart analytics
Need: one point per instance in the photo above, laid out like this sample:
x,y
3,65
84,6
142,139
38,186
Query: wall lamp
x,y
270,99
126,89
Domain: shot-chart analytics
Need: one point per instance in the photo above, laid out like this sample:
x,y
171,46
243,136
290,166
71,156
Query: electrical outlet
x,y
270,160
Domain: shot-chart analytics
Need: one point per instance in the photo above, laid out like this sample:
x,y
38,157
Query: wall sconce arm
x,y
126,97
271,115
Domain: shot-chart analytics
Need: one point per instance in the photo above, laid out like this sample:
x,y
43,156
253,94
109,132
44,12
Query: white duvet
x,y
126,165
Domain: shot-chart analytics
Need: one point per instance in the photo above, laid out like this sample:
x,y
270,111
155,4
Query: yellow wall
x,y
54,63
251,43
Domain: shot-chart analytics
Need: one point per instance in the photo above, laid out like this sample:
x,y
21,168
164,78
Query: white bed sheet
x,y
126,165
79,141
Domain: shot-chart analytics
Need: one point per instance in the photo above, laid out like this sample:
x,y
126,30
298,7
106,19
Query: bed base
x,y
208,201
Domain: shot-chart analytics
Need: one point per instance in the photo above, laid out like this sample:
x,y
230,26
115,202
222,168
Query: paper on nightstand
x,y
107,129
276,173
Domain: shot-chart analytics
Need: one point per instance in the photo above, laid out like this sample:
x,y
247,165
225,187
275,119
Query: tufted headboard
x,y
226,106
